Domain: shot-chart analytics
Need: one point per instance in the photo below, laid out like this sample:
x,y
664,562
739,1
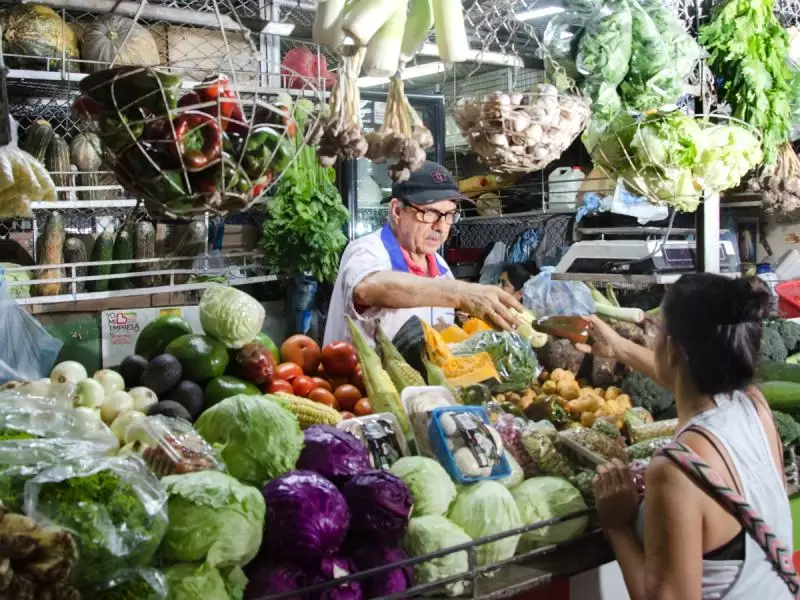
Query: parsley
x,y
9,435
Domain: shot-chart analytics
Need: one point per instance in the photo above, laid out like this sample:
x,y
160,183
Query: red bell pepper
x,y
218,89
198,139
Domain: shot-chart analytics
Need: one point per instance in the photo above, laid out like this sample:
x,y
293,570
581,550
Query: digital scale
x,y
641,257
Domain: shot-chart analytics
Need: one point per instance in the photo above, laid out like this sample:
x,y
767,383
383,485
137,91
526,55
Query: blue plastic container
x,y
438,444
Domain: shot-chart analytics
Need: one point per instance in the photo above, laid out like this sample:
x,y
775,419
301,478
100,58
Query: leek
x,y
383,49
363,18
327,28
631,315
418,27
451,35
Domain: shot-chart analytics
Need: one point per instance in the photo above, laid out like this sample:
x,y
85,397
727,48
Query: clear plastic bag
x,y
510,429
548,297
540,444
27,351
42,394
115,507
141,584
511,354
19,426
382,436
605,48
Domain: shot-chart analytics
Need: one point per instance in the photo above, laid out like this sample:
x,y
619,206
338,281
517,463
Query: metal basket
x,y
521,133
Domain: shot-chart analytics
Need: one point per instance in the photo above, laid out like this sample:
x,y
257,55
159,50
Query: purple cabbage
x,y
386,583
269,579
307,517
333,453
330,568
380,505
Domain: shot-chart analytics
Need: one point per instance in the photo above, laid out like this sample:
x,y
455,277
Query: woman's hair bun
x,y
756,301
720,300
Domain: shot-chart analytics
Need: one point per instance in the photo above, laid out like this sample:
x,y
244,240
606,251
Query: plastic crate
x,y
788,299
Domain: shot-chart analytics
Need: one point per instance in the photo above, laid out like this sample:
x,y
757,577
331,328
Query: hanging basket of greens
x,y
674,159
521,133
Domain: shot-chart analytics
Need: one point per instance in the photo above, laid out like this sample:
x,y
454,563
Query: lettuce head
x,y
431,487
543,498
231,316
190,581
431,534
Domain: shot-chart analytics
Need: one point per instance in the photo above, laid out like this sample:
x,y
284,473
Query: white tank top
x,y
735,423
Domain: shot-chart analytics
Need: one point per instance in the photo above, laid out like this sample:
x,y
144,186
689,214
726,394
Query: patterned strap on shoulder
x,y
711,483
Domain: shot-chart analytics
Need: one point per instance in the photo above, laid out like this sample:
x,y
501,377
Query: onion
x,y
143,398
110,380
68,372
89,393
115,404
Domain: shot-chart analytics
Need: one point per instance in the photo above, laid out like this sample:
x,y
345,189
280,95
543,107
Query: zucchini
x,y
103,250
75,252
52,254
123,250
777,371
144,246
782,395
37,139
58,164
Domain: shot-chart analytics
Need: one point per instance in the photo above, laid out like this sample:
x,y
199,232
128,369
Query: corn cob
x,y
308,412
403,374
383,395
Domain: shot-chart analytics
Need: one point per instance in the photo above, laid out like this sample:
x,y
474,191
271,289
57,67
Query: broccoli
x,y
646,393
772,345
790,332
788,428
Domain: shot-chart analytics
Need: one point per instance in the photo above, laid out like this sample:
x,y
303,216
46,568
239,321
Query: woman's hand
x,y
615,494
605,340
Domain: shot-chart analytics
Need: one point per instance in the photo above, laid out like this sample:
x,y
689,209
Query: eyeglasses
x,y
430,216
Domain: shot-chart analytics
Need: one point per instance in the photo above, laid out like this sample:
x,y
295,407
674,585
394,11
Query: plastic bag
x,y
511,354
650,81
42,395
20,426
115,508
141,584
547,297
561,41
510,429
605,48
646,449
540,444
27,351
493,266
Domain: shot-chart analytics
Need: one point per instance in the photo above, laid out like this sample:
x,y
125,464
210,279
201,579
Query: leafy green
x,y
431,487
788,428
212,518
12,484
431,534
137,584
189,581
748,50
543,498
304,231
7,435
230,316
605,48
511,354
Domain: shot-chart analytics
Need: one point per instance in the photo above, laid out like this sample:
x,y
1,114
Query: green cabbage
x,y
212,518
516,476
543,498
230,316
731,151
430,485
189,581
431,534
488,508
257,438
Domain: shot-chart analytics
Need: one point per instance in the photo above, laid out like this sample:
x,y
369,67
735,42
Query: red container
x,y
788,299
455,256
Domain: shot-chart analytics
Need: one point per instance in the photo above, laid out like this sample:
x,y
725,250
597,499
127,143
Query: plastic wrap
x,y
172,446
561,40
27,351
510,429
645,450
42,394
595,442
511,354
12,483
133,584
419,403
30,424
382,436
115,507
605,48
650,81
548,297
658,429
540,444
584,481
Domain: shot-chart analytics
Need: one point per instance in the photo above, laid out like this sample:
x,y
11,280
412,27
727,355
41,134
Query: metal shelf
x,y
617,278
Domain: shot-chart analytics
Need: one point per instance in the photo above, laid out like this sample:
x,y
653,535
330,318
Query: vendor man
x,y
395,273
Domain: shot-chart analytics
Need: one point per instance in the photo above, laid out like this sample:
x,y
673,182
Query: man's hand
x,y
489,303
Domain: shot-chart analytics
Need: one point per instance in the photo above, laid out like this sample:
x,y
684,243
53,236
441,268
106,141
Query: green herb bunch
x,y
748,50
304,230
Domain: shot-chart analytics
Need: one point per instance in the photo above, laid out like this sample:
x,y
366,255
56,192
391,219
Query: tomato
x,y
347,395
338,381
362,408
358,380
288,371
319,382
339,359
303,351
279,386
302,386
323,396
346,415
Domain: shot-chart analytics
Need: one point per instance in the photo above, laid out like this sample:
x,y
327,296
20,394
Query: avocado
x,y
201,357
157,335
162,374
169,408
131,369
266,341
189,395
223,387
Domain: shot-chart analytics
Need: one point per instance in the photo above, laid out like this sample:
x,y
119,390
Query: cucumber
x,y
52,254
777,371
123,250
782,395
103,250
144,246
75,252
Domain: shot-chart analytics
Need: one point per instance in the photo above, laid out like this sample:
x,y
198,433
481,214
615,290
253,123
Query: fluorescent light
x,y
279,29
479,56
538,13
432,68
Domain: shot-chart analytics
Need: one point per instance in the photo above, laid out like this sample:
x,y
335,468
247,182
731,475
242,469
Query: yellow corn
x,y
310,413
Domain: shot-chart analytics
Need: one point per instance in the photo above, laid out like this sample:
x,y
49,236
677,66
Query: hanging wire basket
x,y
521,132
672,158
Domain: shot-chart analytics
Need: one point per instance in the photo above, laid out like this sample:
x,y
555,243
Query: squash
x,y
37,139
89,180
473,326
75,252
459,370
40,35
101,41
52,254
454,334
57,163
410,343
86,152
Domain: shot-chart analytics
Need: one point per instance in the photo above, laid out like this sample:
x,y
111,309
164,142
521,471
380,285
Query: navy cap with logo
x,y
427,185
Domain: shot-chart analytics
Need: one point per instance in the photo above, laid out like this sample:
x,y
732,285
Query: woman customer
x,y
514,277
681,544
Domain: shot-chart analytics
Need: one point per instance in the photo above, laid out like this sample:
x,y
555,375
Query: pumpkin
x,y
40,35
118,40
459,370
85,152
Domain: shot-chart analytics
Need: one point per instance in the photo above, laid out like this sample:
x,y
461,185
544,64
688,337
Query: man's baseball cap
x,y
427,185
